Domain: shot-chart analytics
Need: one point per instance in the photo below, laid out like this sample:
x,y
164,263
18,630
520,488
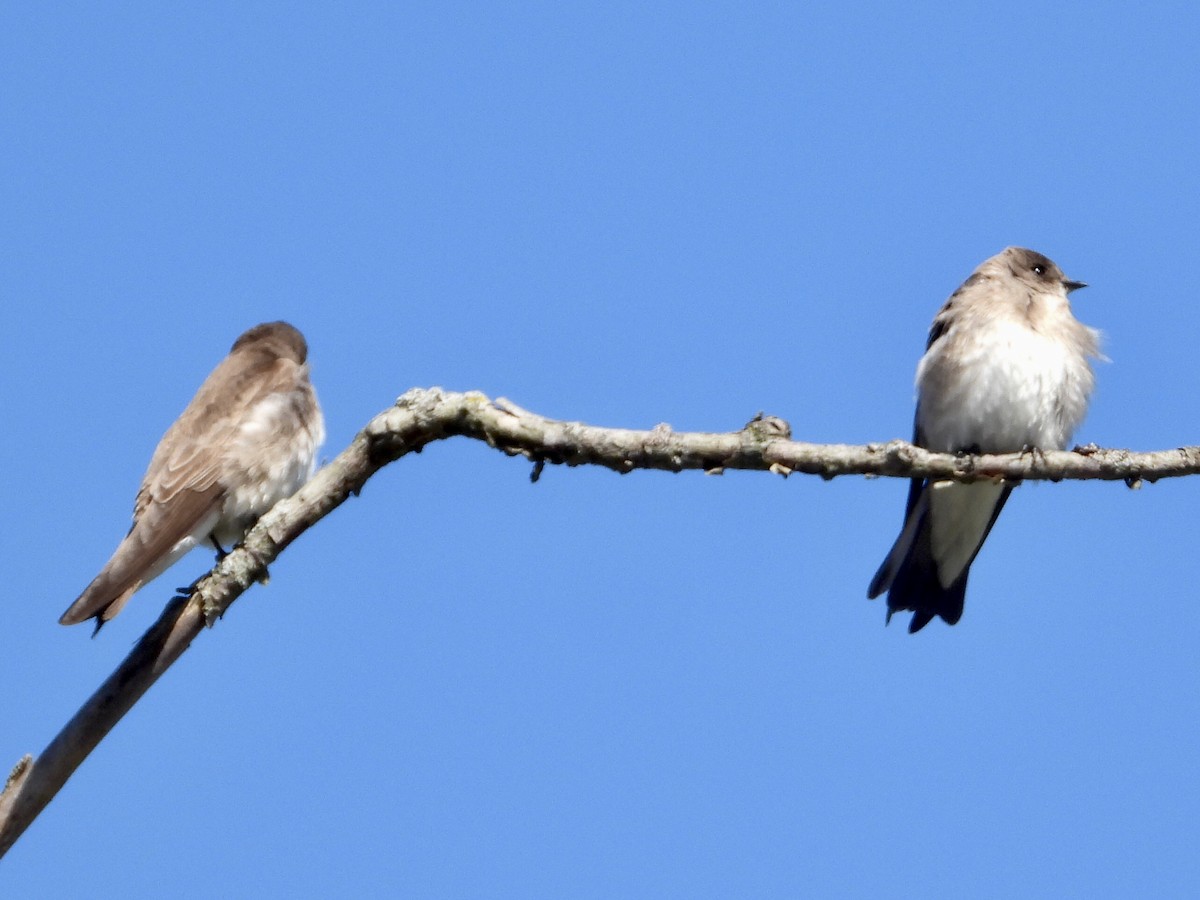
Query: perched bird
x,y
248,439
1006,369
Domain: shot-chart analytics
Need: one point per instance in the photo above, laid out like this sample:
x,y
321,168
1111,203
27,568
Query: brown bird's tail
x,y
910,573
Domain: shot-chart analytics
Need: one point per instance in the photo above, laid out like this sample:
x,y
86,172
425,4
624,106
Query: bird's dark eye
x,y
1039,270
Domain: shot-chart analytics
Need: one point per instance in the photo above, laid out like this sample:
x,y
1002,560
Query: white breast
x,y
274,455
1004,388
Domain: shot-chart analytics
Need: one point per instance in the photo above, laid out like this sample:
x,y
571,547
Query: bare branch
x,y
422,416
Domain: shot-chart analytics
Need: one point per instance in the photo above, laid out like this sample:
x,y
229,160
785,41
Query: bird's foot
x,y
1037,454
185,592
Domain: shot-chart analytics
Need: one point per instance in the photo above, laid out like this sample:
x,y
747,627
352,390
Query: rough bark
x,y
422,416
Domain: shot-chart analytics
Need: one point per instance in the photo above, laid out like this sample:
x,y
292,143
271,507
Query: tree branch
x,y
422,416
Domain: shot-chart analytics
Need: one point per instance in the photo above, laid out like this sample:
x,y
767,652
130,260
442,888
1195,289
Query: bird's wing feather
x,y
183,490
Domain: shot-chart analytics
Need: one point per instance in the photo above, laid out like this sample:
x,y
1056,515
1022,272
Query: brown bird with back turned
x,y
247,440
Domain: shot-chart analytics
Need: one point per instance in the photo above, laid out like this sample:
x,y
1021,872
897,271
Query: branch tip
x,y
18,773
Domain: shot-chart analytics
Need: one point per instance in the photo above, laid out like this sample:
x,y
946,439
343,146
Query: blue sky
x,y
464,685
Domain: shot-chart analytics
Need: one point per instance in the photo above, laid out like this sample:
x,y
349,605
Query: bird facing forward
x,y
1006,369
247,440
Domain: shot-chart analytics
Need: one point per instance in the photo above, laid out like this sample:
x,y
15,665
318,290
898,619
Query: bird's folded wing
x,y
163,519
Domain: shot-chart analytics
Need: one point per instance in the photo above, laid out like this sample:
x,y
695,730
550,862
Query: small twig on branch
x,y
422,416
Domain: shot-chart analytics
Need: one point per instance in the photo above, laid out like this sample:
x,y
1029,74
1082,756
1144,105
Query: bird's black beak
x,y
1074,285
